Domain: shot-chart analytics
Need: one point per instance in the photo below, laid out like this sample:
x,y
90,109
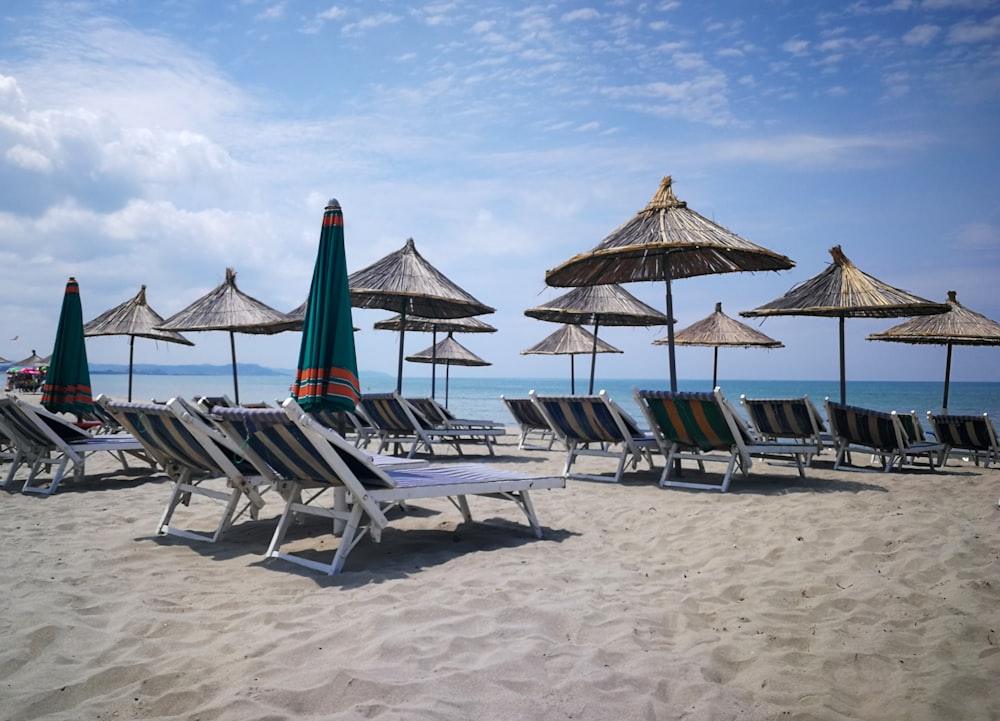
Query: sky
x,y
160,143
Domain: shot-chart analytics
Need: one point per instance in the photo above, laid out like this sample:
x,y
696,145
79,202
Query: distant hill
x,y
204,369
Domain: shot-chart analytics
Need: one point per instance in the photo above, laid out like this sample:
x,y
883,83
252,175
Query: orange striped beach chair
x,y
704,427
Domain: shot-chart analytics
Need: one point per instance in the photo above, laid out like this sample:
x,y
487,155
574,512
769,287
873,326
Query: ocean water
x,y
480,397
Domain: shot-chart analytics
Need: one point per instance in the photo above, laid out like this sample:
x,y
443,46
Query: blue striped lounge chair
x,y
197,459
595,426
310,456
704,427
532,424
794,419
972,434
41,438
883,433
479,431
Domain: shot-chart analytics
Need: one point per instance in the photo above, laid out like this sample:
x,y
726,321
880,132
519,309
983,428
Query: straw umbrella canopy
x,y
959,326
230,309
405,283
449,352
135,319
598,305
718,330
571,340
664,241
432,326
844,291
32,361
67,382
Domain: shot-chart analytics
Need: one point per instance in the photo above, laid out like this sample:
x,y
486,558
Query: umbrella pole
x,y
447,374
402,333
572,374
715,369
843,366
947,379
131,352
434,350
236,384
593,359
670,329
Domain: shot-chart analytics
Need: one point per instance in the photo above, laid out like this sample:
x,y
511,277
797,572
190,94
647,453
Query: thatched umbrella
x,y
448,352
135,319
665,240
405,283
598,305
32,361
843,291
719,330
571,340
959,326
432,326
230,309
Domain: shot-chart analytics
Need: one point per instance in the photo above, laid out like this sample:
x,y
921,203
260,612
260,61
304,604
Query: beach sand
x,y
846,595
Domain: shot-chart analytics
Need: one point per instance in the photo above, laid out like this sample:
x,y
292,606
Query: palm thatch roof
x,y
598,305
448,352
440,325
665,240
32,361
405,282
570,340
843,290
228,308
959,326
718,330
133,318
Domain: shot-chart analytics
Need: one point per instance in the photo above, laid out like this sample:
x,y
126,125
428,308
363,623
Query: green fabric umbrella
x,y
67,383
327,374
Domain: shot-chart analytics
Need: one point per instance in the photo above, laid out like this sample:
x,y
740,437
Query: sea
x,y
480,397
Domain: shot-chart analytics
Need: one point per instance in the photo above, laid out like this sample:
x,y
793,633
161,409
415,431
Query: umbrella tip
x,y
952,296
838,256
718,306
333,203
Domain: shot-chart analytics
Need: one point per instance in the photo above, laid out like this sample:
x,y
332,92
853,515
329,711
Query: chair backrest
x,y
526,413
912,427
388,412
865,426
964,431
431,410
784,417
22,426
587,419
690,419
280,442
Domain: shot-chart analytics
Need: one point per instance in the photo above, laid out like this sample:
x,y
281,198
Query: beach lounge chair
x,y
532,424
41,438
881,432
704,427
971,434
440,417
595,426
197,458
787,419
310,456
397,422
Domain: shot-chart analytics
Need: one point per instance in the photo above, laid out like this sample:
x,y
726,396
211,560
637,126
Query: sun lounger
x,y
42,438
439,417
308,455
396,422
197,458
704,427
595,426
971,434
534,428
882,433
787,419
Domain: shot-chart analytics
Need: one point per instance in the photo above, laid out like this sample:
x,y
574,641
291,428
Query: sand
x,y
846,595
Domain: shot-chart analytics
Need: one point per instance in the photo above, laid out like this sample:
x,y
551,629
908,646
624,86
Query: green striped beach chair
x,y
883,433
972,434
595,426
309,456
704,427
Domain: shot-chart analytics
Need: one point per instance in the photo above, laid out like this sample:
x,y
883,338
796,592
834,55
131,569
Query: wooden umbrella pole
x,y
447,374
131,355
402,333
434,343
947,379
715,369
670,328
593,358
572,374
236,383
843,365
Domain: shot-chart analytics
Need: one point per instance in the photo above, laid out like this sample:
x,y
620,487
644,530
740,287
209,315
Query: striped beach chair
x,y
883,433
309,456
795,419
595,426
972,434
704,427
532,424
196,458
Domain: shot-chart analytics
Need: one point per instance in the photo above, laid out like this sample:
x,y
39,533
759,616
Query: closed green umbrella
x,y
67,383
327,374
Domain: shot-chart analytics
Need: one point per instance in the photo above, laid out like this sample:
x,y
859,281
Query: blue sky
x,y
159,143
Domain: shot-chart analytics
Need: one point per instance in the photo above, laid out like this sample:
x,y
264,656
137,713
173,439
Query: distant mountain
x,y
244,369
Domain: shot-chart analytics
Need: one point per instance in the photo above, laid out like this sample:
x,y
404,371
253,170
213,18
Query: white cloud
x,y
921,35
975,32
272,12
581,14
795,47
807,150
28,158
370,23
